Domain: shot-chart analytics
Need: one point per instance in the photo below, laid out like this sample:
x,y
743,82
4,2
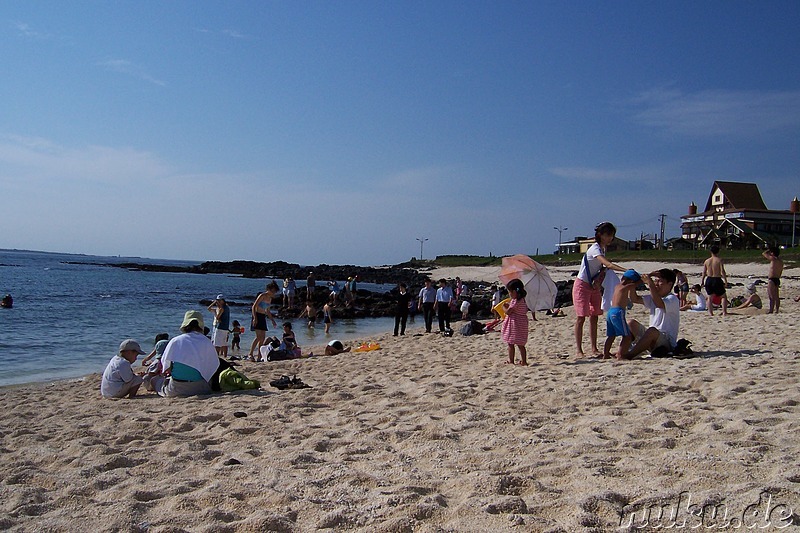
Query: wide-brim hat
x,y
191,316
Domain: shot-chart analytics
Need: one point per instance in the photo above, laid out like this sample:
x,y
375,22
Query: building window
x,y
718,198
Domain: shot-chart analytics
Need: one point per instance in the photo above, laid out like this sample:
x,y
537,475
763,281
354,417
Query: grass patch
x,y
791,258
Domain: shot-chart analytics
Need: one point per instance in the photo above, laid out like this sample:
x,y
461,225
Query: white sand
x,y
428,434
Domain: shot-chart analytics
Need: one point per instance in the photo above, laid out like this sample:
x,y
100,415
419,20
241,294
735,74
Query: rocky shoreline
x,y
368,304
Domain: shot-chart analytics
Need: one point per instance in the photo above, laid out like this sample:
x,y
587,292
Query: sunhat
x,y
192,316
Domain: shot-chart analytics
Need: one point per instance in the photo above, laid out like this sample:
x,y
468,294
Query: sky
x,y
365,132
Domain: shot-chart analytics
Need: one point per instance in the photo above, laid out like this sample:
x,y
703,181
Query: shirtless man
x,y
715,280
775,271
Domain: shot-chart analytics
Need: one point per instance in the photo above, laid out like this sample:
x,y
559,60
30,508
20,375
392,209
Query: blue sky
x,y
341,132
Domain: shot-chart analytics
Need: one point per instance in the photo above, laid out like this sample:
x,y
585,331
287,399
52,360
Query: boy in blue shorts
x,y
616,323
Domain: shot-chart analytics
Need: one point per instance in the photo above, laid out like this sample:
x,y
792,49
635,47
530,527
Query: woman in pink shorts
x,y
586,295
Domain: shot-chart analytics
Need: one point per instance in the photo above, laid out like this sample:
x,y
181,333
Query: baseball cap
x,y
632,275
130,344
220,297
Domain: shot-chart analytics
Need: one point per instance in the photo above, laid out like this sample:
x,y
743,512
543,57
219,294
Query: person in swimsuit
x,y
715,280
326,316
616,321
309,312
775,270
260,312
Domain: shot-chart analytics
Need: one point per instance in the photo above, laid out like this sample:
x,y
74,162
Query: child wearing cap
x,y
616,322
119,380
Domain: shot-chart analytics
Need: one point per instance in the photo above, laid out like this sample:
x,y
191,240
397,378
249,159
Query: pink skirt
x,y
587,301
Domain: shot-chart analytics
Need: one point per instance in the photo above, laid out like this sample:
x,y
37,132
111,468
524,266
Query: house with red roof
x,y
735,216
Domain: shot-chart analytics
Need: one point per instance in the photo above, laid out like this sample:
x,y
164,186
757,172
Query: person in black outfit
x,y
401,311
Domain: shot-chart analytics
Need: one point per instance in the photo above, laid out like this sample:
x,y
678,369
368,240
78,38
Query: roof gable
x,y
736,195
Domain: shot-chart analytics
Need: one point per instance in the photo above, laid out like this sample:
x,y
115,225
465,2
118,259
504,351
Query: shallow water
x,y
68,319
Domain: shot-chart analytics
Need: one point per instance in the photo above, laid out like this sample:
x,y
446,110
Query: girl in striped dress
x,y
515,325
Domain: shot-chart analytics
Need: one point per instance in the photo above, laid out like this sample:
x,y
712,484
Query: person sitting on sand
x,y
335,347
697,290
616,324
287,343
154,368
665,315
189,361
752,300
119,379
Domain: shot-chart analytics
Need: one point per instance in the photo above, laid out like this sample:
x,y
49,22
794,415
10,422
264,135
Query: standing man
x,y
774,283
426,301
222,323
665,315
715,280
444,299
311,284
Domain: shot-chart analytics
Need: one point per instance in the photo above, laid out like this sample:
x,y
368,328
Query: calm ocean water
x,y
68,319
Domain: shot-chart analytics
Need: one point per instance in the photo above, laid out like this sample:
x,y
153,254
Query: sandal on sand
x,y
285,382
280,383
297,383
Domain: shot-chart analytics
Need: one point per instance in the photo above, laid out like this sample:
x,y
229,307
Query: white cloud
x,y
39,160
124,66
417,179
592,174
718,113
24,30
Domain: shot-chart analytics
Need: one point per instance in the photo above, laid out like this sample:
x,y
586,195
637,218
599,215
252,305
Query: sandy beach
x,y
434,434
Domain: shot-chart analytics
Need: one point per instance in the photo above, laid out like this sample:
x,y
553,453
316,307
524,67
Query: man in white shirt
x,y
665,315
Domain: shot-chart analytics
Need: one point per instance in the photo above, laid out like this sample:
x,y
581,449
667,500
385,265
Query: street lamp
x,y
794,207
421,242
559,230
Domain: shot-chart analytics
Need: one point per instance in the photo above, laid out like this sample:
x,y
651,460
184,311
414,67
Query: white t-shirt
x,y
192,349
592,254
118,378
610,283
701,303
667,320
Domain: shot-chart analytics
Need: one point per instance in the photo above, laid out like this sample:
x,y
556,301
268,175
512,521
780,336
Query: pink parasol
x,y
534,276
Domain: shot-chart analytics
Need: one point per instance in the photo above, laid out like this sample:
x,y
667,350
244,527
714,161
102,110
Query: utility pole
x,y
421,242
663,218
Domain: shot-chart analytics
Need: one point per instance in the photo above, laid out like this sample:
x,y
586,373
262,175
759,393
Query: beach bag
x,y
231,380
682,349
473,327
279,355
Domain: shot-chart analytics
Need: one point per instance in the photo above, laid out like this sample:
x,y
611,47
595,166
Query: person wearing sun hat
x,y
189,361
119,380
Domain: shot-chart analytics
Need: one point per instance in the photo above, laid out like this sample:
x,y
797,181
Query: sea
x,y
72,311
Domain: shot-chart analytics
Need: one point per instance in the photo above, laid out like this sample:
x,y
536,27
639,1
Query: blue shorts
x,y
616,325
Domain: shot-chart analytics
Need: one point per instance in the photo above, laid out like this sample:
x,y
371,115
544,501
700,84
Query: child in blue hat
x,y
616,322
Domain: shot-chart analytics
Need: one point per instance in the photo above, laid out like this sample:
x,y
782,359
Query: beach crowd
x,y
197,361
